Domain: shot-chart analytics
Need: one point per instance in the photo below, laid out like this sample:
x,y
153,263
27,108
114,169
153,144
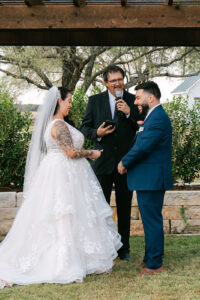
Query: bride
x,y
64,228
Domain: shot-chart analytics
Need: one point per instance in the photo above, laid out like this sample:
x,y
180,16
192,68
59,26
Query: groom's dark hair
x,y
150,87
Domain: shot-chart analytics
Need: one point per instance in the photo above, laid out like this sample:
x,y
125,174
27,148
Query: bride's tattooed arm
x,y
61,134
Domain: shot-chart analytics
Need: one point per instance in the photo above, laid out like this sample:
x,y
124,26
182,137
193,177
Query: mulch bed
x,y
186,188
176,188
10,189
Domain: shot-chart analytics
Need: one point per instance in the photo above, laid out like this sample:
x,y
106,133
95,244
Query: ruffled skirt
x,y
64,228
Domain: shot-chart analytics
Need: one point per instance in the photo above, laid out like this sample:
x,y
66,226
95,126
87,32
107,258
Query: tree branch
x,y
28,65
96,53
24,78
137,79
174,60
142,55
167,74
88,71
114,62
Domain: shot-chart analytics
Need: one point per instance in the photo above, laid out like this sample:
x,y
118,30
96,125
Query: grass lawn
x,y
180,280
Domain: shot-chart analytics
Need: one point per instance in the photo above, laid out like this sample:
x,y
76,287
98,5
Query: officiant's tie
x,y
116,114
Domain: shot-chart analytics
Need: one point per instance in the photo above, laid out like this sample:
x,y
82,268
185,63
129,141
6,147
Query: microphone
x,y
119,95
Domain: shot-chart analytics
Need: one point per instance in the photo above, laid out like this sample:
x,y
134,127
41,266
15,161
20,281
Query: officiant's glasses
x,y
116,80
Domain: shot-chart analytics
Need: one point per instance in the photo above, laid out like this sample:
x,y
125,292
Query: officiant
x,y
110,121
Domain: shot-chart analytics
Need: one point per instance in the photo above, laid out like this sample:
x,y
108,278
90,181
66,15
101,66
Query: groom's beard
x,y
145,109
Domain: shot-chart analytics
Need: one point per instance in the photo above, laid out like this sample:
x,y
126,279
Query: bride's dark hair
x,y
63,93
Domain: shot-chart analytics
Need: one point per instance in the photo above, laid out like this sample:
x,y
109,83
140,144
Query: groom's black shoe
x,y
124,256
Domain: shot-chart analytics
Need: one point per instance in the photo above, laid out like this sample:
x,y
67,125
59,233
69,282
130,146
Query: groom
x,y
148,166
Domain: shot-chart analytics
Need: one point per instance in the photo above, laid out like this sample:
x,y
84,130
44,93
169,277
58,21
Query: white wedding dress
x,y
64,228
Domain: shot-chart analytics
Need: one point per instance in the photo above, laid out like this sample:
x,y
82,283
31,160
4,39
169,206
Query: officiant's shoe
x,y
147,271
142,265
125,256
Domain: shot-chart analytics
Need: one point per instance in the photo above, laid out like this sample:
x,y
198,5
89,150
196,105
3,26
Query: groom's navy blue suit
x,y
148,165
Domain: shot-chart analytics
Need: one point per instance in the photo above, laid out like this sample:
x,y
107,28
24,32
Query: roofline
x,y
178,93
193,84
188,88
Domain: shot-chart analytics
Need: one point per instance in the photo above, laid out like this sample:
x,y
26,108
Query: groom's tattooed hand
x,y
63,137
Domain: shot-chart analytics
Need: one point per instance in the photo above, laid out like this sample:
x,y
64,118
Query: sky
x,y
35,96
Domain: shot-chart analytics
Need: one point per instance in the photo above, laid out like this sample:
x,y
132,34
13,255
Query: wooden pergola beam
x,y
79,3
123,2
97,17
169,2
93,25
33,2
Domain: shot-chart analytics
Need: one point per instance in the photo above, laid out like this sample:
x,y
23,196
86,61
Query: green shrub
x,y
186,139
14,140
15,136
79,103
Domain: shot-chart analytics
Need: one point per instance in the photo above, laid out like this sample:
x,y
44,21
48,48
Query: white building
x,y
189,88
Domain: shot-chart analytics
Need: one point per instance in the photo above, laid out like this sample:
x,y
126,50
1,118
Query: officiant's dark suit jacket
x,y
116,144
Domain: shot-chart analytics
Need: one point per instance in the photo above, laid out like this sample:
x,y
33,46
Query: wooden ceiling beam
x,y
79,3
33,2
97,17
123,2
102,37
169,2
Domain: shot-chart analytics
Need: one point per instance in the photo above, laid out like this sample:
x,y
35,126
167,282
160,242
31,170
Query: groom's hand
x,y
121,169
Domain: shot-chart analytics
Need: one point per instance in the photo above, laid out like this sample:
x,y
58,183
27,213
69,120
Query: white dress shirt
x,y
112,102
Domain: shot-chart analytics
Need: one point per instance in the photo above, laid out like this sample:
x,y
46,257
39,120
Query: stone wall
x,y
181,212
9,204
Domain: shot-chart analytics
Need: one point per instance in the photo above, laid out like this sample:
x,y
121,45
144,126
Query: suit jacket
x,y
148,162
115,145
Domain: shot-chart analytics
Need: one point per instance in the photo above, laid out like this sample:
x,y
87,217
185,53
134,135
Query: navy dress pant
x,y
150,205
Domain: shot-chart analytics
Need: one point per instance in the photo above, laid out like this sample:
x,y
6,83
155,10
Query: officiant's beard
x,y
145,109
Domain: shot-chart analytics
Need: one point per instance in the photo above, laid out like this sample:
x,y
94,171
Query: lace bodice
x,y
52,145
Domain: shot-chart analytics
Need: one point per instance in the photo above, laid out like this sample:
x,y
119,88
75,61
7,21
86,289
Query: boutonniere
x,y
140,123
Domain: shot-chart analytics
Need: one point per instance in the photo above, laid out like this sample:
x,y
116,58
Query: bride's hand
x,y
95,154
